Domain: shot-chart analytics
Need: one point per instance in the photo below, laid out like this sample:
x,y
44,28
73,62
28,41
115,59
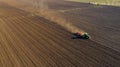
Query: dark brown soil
x,y
32,41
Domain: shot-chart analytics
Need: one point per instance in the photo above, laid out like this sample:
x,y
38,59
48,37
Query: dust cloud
x,y
43,10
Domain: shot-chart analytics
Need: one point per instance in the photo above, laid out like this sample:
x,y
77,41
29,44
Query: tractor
x,y
81,35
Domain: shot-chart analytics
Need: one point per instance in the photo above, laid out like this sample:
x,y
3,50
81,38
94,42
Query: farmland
x,y
29,39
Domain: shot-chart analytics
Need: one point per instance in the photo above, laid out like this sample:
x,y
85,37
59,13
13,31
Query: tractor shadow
x,y
78,38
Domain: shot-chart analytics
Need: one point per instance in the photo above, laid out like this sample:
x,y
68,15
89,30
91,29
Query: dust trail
x,y
57,17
